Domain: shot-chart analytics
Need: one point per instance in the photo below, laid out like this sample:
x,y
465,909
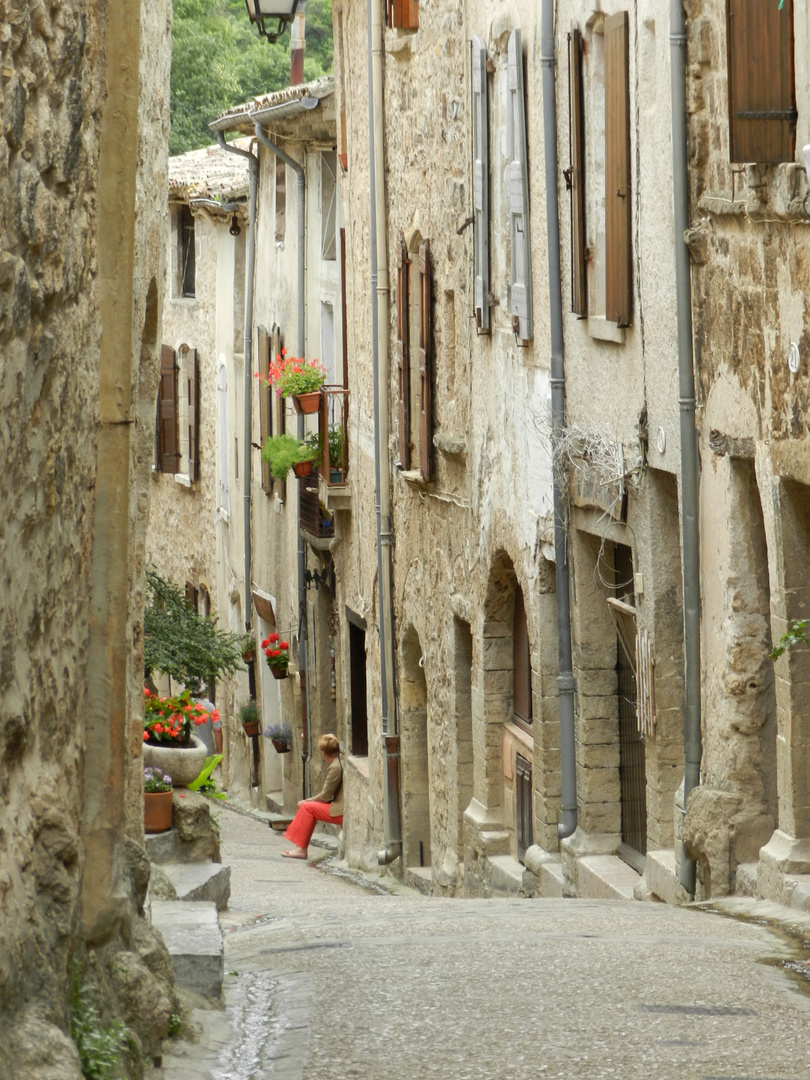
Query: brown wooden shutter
x,y
402,14
344,319
276,407
167,404
193,384
618,290
761,86
265,402
403,358
576,176
521,661
192,596
425,364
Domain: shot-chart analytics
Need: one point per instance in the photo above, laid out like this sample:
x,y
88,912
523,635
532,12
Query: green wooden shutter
x,y
403,358
618,286
480,133
425,364
193,384
761,86
517,194
167,405
576,176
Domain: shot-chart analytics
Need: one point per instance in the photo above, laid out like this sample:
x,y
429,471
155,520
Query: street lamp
x,y
259,10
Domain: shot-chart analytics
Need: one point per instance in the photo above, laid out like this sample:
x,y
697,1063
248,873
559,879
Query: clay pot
x,y
251,727
307,403
279,673
182,764
281,746
303,468
157,811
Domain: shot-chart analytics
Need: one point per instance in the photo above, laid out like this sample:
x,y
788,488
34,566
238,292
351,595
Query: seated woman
x,y
327,805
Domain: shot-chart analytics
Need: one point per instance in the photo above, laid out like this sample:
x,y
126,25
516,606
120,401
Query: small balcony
x,y
333,467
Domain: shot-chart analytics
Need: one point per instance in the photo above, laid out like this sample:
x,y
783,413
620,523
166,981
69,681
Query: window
x,y
575,176
224,436
178,413
185,283
357,688
521,662
415,385
761,87
329,206
281,200
618,283
480,116
402,14
517,195
271,406
523,805
168,455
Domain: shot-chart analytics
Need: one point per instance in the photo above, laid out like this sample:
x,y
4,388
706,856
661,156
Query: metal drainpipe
x,y
382,475
690,466
303,635
565,680
248,384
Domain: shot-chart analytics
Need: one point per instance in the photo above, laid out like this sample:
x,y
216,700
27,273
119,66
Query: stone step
x,y
605,877
274,801
505,875
419,878
551,879
279,822
192,881
194,940
660,873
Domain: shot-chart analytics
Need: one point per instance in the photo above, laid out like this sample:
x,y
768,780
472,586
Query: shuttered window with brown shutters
x,y
761,87
480,134
276,408
517,195
265,402
618,285
425,363
169,456
403,358
193,391
521,661
575,176
402,14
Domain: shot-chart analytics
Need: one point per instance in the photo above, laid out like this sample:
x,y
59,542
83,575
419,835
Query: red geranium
x,y
169,721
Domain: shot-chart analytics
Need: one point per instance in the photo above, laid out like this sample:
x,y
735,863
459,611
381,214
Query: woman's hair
x,y
329,745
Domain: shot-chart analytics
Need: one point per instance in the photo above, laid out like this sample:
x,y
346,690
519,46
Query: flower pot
x,y
307,403
279,672
281,746
303,468
251,727
157,811
182,763
249,656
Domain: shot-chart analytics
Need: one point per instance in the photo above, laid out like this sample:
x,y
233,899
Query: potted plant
x,y
285,452
169,743
277,655
336,462
157,800
299,379
281,738
249,717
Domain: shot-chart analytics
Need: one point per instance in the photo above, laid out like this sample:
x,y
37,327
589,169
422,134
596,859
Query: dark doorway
x,y
357,676
632,767
523,791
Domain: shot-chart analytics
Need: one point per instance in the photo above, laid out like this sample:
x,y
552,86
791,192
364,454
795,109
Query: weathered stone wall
x,y
75,175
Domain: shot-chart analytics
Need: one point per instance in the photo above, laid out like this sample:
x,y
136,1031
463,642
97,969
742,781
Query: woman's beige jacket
x,y
332,790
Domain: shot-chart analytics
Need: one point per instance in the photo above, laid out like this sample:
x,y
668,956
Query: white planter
x,y
182,764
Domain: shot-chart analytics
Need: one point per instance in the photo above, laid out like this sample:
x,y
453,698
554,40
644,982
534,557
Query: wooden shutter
x,y
402,14
167,405
480,134
403,358
265,402
521,661
193,389
576,175
344,318
425,364
276,408
618,290
761,87
517,194
192,596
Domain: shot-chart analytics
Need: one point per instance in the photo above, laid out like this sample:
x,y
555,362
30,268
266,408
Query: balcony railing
x,y
333,427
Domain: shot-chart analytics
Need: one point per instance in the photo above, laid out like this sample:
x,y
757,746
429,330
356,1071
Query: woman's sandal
x,y
292,855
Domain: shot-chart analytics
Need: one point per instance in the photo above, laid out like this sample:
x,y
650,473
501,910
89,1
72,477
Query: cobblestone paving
x,y
328,979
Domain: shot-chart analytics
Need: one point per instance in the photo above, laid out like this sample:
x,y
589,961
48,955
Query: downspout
x,y
248,374
690,466
382,474
303,630
565,679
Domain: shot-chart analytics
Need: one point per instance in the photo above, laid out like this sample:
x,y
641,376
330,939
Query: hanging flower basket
x,y
279,673
281,746
307,403
277,655
251,728
303,468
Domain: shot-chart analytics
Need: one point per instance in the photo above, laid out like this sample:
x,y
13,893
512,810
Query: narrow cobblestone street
x,y
330,978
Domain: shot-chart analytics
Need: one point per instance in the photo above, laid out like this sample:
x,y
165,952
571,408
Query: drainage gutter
x,y
566,684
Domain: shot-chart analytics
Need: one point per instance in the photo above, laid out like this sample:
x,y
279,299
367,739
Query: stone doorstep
x,y
605,877
551,879
506,875
274,802
419,878
279,822
200,881
194,940
661,876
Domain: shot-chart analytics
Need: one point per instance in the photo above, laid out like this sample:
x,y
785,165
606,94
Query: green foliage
x,y
795,635
184,644
100,1048
219,60
175,1023
203,782
281,452
249,712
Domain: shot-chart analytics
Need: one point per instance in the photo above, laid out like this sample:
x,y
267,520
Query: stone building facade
x,y
83,204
